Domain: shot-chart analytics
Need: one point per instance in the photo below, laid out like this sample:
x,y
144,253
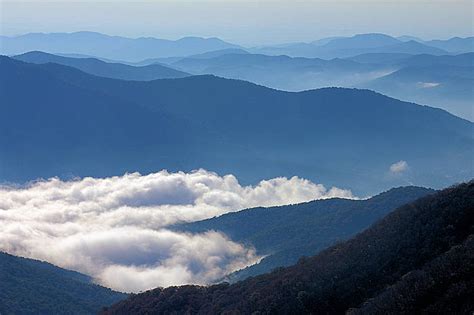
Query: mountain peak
x,y
403,191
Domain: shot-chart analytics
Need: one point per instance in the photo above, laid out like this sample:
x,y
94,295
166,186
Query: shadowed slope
x,y
284,234
30,286
416,236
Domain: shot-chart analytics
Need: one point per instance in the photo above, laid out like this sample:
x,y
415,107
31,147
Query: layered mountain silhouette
x,y
59,121
443,81
342,47
105,69
138,49
284,234
454,45
370,59
206,55
30,286
385,59
111,47
422,60
419,259
283,72
445,86
461,60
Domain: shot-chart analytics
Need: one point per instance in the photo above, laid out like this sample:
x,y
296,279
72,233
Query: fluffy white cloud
x,y
399,167
114,229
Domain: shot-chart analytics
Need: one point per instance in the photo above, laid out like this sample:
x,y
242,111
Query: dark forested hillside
x,y
105,69
34,287
444,285
412,261
59,121
284,234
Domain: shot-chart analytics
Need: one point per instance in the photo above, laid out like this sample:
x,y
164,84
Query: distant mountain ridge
x,y
30,286
344,47
362,41
139,49
454,91
104,69
111,47
286,233
444,81
454,45
206,55
419,259
281,72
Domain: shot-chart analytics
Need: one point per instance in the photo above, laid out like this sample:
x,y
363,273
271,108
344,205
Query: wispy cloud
x,y
115,228
428,85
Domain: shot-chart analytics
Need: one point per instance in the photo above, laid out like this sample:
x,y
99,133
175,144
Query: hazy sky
x,y
241,21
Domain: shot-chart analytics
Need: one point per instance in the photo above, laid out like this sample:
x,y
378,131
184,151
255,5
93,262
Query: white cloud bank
x,y
114,229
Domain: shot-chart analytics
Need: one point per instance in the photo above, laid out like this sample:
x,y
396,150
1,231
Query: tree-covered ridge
x,y
433,231
284,234
446,283
30,286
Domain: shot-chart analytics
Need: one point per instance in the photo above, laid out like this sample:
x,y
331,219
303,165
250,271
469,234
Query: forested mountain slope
x,y
284,234
30,286
404,264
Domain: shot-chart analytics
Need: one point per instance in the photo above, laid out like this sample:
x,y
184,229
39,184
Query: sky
x,y
249,23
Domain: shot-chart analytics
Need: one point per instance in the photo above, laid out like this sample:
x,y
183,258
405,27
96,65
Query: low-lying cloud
x,y
114,229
